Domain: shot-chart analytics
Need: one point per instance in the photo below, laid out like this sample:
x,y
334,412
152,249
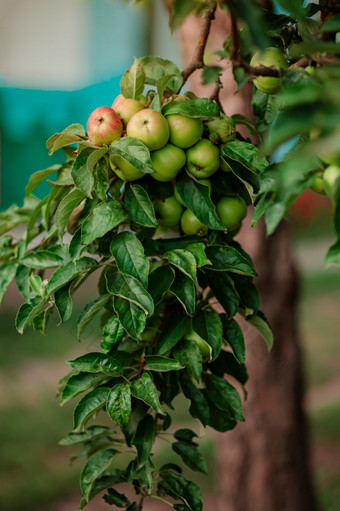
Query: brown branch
x,y
215,95
197,58
140,505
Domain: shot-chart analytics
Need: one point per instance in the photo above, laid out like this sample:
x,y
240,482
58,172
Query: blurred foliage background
x,y
59,61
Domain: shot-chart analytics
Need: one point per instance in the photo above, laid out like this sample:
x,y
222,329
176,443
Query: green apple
x,y
330,177
270,57
231,210
126,108
169,211
167,162
318,185
204,347
184,131
150,127
191,225
203,159
124,169
104,126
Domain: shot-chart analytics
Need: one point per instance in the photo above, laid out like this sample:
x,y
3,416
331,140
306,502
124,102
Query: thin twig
x,y
215,95
140,505
197,58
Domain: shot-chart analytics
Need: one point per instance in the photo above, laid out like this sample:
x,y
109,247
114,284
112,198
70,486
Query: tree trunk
x,y
264,463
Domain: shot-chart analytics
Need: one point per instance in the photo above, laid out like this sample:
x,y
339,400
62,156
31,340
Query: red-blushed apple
x,y
126,108
117,100
104,126
150,127
167,162
124,169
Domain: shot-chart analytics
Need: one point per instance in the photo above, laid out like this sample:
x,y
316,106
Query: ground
x,y
34,470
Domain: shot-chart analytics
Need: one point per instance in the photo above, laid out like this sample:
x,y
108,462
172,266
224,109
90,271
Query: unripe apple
x,y
104,126
231,210
318,185
169,211
150,127
191,225
330,177
184,131
203,159
221,130
126,108
124,169
167,162
270,57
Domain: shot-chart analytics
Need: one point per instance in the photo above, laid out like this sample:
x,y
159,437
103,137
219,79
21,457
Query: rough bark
x,y
264,463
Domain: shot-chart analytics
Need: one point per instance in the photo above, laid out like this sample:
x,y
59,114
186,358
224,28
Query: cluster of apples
x,y
175,141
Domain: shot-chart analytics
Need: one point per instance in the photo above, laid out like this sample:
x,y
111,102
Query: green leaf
x,y
70,135
114,498
241,77
89,312
131,289
101,179
180,9
156,67
161,85
94,158
42,260
265,107
90,434
145,390
190,455
160,281
112,333
189,355
68,272
22,281
233,335
102,219
139,206
184,261
63,302
118,404
144,439
65,208
219,419
130,316
248,293
185,435
253,16
96,362
211,74
7,274
161,364
78,383
333,254
36,178
196,108
94,468
174,329
89,405
224,396
177,486
133,151
261,325
208,325
223,288
242,119
109,478
294,7
226,258
198,251
197,198
82,177
199,408
132,82
128,252
184,290
28,311
331,25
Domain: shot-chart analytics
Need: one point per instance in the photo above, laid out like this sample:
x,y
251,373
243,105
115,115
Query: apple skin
x,y
203,159
104,126
330,176
270,57
126,108
191,225
231,210
169,211
123,169
150,127
204,347
184,131
167,162
318,185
